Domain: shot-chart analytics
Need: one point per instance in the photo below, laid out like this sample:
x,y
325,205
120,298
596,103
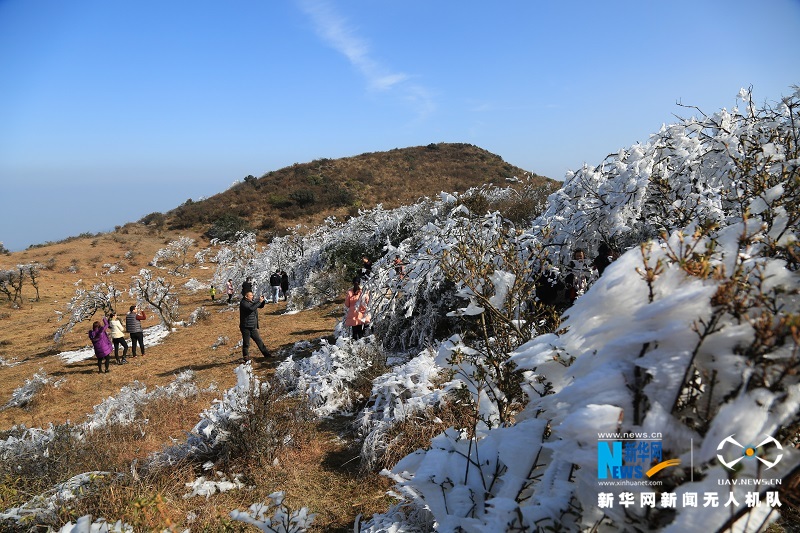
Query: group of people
x,y
107,336
553,288
278,283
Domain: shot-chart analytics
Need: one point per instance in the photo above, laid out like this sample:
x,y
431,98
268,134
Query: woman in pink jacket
x,y
101,342
355,303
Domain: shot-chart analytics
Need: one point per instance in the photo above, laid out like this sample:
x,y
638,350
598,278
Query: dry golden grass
x,y
314,469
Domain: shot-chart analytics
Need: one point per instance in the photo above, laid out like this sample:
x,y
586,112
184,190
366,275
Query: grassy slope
x,y
318,472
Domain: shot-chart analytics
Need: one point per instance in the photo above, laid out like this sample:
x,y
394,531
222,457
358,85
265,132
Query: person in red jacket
x,y
101,343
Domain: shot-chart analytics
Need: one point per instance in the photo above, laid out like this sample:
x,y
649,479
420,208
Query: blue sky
x,y
113,110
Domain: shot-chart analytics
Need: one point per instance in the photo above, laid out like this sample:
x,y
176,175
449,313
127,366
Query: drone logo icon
x,y
748,452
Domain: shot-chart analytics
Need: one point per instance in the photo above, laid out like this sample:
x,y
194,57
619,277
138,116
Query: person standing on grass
x,y
248,324
101,343
133,323
285,285
229,289
275,286
355,304
118,337
247,285
213,292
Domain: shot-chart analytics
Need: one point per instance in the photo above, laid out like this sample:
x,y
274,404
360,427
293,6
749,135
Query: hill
x,y
307,193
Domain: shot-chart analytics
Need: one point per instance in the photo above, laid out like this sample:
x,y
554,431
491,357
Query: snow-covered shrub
x,y
175,256
235,261
203,486
3,362
245,425
222,340
201,313
402,394
85,524
124,408
195,285
103,296
22,396
320,286
37,459
691,337
44,509
330,377
210,434
283,519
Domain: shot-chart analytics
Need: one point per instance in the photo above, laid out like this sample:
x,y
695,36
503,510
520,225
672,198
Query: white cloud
x,y
334,29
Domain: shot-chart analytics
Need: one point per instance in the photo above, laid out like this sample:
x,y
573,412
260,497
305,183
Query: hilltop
x,y
308,193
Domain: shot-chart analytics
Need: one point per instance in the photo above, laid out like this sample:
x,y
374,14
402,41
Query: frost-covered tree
x,y
12,281
175,255
102,296
159,292
235,260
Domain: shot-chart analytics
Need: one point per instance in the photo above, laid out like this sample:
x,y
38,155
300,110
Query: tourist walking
x,y
366,267
248,324
101,343
133,323
580,274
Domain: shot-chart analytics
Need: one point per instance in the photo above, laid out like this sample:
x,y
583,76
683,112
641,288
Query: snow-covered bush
x,y
398,396
124,408
329,376
175,256
201,313
85,524
210,437
44,508
22,396
195,285
691,337
206,487
283,519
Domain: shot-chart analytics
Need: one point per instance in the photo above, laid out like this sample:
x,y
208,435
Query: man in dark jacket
x,y
275,286
133,324
247,285
248,324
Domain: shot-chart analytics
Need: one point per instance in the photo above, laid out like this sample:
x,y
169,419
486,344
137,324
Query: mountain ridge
x,y
308,193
